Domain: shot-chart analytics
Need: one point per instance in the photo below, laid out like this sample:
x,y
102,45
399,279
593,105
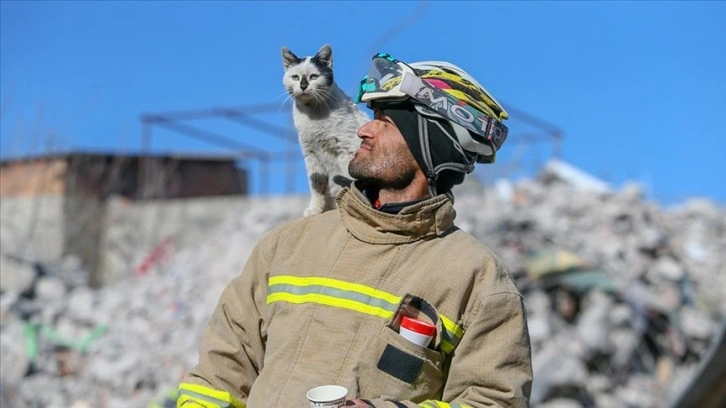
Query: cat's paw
x,y
312,211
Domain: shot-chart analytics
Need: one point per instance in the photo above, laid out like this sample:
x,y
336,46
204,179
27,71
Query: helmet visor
x,y
383,80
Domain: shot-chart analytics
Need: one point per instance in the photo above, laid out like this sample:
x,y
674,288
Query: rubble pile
x,y
624,298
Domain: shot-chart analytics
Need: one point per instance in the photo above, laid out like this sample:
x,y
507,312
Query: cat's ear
x,y
288,58
325,55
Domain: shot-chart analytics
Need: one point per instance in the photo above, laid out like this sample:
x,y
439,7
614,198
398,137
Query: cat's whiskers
x,y
287,97
323,97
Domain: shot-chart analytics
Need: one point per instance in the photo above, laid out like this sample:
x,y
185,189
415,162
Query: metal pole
x,y
144,165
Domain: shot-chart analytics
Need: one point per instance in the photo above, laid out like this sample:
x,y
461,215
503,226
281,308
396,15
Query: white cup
x,y
327,396
417,331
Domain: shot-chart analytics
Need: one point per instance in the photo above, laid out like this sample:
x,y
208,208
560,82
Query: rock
x,y
554,367
592,326
50,289
666,268
696,324
15,359
16,276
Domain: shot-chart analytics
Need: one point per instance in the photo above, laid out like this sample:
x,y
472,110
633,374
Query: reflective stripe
x,y
336,284
206,397
185,401
441,404
351,296
451,335
330,301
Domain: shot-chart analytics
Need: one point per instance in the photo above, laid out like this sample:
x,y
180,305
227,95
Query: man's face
x,y
383,159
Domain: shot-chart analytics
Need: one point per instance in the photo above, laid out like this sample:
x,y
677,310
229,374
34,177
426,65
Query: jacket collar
x,y
425,219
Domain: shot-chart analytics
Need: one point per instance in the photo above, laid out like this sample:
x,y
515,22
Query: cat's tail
x,y
342,180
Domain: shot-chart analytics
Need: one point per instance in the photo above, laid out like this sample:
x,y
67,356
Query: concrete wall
x,y
139,236
57,206
32,227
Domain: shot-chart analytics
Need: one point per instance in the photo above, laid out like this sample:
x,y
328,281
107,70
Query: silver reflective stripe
x,y
202,397
333,292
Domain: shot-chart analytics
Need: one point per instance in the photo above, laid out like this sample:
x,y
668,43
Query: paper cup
x,y
327,396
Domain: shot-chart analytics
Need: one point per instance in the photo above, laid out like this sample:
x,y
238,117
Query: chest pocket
x,y
396,368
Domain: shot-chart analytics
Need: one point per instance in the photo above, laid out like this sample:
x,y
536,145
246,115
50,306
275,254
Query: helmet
x,y
444,91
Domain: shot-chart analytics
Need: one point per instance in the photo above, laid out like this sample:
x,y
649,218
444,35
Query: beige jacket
x,y
320,300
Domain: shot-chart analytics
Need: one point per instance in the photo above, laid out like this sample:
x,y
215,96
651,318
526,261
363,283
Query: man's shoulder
x,y
464,238
496,271
326,220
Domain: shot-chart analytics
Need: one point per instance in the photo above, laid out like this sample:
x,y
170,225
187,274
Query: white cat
x,y
327,121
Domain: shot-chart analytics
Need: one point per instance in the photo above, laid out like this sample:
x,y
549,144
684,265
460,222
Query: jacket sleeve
x,y
232,347
491,366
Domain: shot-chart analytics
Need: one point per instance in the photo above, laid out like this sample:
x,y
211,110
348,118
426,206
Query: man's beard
x,y
392,172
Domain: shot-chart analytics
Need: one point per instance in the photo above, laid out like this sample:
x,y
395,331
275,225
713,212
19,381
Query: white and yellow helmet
x,y
442,90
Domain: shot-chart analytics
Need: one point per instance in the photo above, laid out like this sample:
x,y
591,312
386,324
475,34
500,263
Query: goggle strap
x,y
463,137
428,95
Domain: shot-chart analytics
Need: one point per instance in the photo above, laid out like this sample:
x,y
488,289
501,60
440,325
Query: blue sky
x,y
637,88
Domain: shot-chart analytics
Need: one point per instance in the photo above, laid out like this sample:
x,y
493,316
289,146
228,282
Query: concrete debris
x,y
560,170
623,297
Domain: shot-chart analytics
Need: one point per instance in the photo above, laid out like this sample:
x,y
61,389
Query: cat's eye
x,y
296,77
314,77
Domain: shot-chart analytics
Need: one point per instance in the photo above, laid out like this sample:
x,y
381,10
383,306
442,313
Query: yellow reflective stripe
x,y
441,404
351,296
330,301
451,326
185,401
452,336
206,397
334,283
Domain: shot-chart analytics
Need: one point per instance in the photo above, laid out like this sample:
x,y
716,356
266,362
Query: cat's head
x,y
308,79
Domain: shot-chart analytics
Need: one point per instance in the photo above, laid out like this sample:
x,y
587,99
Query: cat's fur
x,y
327,121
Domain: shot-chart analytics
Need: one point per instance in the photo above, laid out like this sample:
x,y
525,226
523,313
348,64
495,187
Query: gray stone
x,y
666,268
50,289
16,276
554,366
593,327
539,329
15,361
696,324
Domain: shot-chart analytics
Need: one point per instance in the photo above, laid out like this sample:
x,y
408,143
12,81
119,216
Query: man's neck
x,y
400,196
415,191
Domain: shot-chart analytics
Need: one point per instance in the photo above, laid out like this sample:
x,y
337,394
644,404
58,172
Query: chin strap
x,y
429,172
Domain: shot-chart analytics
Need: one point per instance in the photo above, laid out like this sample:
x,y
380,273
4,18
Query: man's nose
x,y
366,131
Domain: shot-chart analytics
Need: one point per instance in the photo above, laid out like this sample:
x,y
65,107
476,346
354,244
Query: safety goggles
x,y
390,80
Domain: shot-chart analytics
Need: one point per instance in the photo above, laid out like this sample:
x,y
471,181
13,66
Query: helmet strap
x,y
423,134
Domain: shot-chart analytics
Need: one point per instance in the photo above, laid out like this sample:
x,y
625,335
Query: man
x,y
321,299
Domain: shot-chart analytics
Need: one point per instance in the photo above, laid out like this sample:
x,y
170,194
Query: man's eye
x,y
314,77
296,77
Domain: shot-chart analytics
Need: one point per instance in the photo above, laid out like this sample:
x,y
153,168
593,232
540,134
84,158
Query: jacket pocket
x,y
393,367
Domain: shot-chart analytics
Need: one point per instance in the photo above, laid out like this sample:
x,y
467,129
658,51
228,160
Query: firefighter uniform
x,y
320,302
